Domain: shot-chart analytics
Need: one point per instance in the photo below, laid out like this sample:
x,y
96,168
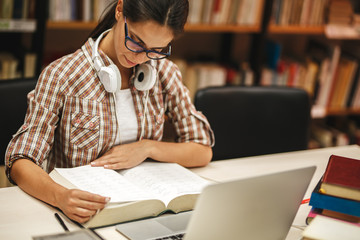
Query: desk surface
x,y
22,216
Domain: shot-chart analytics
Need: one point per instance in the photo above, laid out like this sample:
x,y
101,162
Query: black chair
x,y
249,121
13,105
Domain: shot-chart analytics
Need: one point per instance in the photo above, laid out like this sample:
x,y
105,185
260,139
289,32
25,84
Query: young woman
x,y
104,105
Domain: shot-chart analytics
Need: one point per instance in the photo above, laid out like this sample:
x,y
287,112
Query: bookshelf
x,y
229,43
22,28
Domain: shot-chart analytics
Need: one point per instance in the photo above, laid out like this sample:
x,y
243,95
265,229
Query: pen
x,y
57,216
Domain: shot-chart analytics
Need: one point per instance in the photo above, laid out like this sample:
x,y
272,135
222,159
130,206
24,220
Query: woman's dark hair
x,y
171,13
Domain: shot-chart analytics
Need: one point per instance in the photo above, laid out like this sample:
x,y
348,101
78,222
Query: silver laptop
x,y
261,207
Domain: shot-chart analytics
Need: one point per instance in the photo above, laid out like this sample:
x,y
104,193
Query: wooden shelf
x,y
222,28
77,25
71,25
296,29
317,113
340,112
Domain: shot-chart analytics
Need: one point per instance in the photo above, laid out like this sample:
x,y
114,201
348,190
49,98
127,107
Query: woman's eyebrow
x,y
137,37
142,42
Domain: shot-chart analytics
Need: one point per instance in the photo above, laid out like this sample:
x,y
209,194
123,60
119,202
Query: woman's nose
x,y
141,57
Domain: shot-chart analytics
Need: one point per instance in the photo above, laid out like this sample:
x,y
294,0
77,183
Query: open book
x,y
147,190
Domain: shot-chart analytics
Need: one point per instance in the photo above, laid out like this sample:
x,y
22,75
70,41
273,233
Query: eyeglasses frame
x,y
147,51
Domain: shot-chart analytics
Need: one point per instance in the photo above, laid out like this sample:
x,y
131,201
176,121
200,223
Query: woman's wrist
x,y
148,147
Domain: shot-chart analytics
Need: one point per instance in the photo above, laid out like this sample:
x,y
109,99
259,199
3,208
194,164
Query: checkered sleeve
x,y
190,125
34,138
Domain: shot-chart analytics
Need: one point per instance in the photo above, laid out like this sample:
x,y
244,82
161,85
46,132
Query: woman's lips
x,y
130,62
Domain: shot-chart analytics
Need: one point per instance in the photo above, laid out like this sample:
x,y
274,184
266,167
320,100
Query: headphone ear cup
x,y
145,77
110,77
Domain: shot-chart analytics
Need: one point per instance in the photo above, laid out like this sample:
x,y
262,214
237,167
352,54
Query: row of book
x,y
240,12
330,74
201,75
10,66
17,9
299,12
331,135
77,10
336,200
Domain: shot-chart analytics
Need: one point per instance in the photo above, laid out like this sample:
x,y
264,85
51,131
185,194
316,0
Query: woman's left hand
x,y
122,156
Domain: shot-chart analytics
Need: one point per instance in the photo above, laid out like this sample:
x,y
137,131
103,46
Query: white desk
x,y
22,216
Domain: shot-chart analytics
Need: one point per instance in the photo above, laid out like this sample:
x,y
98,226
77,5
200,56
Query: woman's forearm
x,y
35,181
185,154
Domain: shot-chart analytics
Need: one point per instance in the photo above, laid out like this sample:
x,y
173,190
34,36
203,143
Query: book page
x,y
166,180
105,182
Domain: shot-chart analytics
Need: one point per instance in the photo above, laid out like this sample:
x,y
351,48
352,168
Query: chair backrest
x,y
249,121
13,105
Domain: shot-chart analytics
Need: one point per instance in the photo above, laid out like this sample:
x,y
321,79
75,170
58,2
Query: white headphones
x,y
110,77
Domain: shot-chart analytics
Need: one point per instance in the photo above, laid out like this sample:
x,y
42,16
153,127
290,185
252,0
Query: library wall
x,y
214,45
221,41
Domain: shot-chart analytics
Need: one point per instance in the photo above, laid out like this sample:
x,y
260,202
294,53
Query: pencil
x,y
57,216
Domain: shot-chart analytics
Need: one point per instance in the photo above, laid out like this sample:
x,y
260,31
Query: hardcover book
x,y
147,190
338,204
342,178
331,229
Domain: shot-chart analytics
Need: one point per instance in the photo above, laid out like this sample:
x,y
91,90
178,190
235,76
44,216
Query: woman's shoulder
x,y
68,68
169,75
66,63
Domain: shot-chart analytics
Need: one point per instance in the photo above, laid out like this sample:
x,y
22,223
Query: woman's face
x,y
148,34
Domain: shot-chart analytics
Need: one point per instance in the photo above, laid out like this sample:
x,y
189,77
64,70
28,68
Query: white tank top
x,y
126,116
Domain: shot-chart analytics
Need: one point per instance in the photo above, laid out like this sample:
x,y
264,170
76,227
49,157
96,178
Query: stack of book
x,y
336,197
340,12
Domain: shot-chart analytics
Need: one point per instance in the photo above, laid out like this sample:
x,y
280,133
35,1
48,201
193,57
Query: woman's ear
x,y
119,9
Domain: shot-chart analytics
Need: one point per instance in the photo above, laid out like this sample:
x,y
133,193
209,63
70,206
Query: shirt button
x,y
25,126
91,125
78,121
140,114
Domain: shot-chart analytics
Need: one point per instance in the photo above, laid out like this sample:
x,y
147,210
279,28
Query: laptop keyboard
x,y
173,237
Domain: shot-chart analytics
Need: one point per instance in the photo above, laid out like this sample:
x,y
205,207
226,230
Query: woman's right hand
x,y
80,205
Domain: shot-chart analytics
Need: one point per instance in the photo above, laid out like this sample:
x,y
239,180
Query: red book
x,y
343,171
342,178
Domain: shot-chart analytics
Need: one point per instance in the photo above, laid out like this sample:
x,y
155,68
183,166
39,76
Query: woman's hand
x,y
123,156
79,205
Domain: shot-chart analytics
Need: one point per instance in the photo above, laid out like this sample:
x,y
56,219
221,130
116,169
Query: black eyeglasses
x,y
134,46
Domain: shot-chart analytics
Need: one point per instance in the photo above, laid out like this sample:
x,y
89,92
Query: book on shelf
x,y
292,73
338,204
343,80
322,227
340,12
342,178
146,190
328,136
223,12
298,12
30,65
9,67
328,76
74,10
201,75
17,9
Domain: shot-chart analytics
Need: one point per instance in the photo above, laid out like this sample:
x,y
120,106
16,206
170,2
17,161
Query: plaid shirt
x,y
71,119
